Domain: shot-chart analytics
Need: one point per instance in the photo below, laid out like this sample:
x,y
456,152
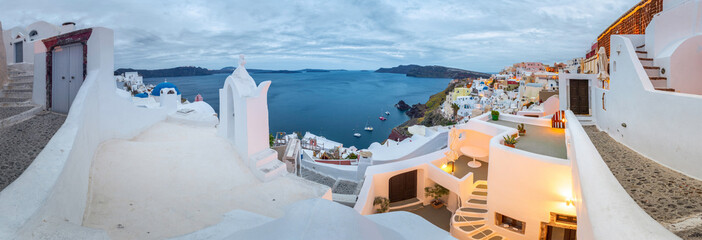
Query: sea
x,y
333,104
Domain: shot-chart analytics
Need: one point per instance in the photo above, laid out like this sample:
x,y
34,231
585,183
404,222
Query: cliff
x,y
433,72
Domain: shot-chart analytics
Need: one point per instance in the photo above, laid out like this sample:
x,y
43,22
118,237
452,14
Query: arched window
x,y
33,33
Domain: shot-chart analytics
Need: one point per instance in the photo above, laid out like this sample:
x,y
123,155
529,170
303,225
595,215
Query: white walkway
x,y
174,179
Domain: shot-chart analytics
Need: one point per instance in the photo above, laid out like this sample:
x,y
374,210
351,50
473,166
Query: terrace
x,y
538,139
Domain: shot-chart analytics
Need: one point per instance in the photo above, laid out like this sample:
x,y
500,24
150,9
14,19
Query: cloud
x,y
359,34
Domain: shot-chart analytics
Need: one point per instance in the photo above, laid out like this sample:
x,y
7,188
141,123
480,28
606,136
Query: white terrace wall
x,y
604,209
663,126
55,187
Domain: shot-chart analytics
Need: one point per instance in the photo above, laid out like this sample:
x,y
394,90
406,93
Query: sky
x,y
484,35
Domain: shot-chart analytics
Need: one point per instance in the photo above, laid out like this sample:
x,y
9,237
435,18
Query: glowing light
x,y
569,202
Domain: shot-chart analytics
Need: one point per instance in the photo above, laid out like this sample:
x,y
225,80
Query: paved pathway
x,y
671,198
22,142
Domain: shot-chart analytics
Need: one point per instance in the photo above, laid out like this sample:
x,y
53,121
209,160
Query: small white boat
x,y
357,135
387,113
368,127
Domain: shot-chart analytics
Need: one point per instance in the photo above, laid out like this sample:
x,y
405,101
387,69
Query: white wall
x,y
55,187
648,113
527,187
44,30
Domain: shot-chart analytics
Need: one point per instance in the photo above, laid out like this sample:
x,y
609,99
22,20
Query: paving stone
x,y
316,177
345,187
22,142
6,112
668,196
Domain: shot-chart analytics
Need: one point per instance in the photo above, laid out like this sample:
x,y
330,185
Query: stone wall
x,y
3,61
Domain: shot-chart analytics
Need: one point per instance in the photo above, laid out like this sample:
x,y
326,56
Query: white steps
x,y
266,166
654,72
469,220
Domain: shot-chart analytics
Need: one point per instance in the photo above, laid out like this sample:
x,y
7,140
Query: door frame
x,y
80,36
570,94
553,223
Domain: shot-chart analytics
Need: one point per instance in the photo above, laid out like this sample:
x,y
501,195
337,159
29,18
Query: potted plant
x,y
510,141
436,192
495,115
522,130
383,202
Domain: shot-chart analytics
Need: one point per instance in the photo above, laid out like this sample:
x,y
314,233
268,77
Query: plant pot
x,y
437,204
522,133
509,145
495,117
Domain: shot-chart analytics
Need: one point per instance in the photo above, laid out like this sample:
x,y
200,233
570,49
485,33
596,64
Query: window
x,y
33,33
566,219
510,223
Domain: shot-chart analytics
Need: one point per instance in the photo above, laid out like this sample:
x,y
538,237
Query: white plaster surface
x,y
174,179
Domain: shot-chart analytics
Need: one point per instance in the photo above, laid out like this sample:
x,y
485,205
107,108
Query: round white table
x,y
474,152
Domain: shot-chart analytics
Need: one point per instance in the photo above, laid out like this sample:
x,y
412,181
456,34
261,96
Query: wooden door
x,y
579,96
403,186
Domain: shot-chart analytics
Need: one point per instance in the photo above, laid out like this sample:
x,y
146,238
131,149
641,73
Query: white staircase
x,y
15,96
468,222
266,166
654,72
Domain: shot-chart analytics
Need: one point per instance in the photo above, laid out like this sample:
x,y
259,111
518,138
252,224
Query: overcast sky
x,y
476,35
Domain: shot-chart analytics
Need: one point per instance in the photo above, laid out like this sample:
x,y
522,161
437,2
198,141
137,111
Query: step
x,y
659,83
481,186
642,54
479,193
473,210
263,157
471,228
270,171
17,118
496,237
477,201
459,219
653,71
16,94
405,204
483,234
666,89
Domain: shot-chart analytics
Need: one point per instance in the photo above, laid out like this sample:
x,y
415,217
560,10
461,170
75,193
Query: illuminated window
x,y
566,219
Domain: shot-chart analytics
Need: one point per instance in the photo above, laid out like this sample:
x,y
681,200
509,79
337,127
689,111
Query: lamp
x,y
569,202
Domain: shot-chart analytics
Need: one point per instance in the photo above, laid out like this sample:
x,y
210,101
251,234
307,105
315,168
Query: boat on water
x,y
356,134
382,118
387,113
368,127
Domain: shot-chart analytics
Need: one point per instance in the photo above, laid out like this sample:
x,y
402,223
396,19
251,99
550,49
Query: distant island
x,y
198,71
433,72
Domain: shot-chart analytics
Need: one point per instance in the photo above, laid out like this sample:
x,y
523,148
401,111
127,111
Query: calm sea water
x,y
331,104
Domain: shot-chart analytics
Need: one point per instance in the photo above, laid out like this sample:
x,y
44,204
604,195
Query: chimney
x,y
67,27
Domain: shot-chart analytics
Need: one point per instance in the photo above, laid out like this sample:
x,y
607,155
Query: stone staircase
x,y
15,97
266,165
654,72
469,221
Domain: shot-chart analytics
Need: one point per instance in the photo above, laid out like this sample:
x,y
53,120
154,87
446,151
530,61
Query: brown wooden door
x,y
579,97
403,186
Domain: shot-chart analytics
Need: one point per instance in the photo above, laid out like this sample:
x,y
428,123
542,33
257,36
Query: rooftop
x,y
541,140
173,179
